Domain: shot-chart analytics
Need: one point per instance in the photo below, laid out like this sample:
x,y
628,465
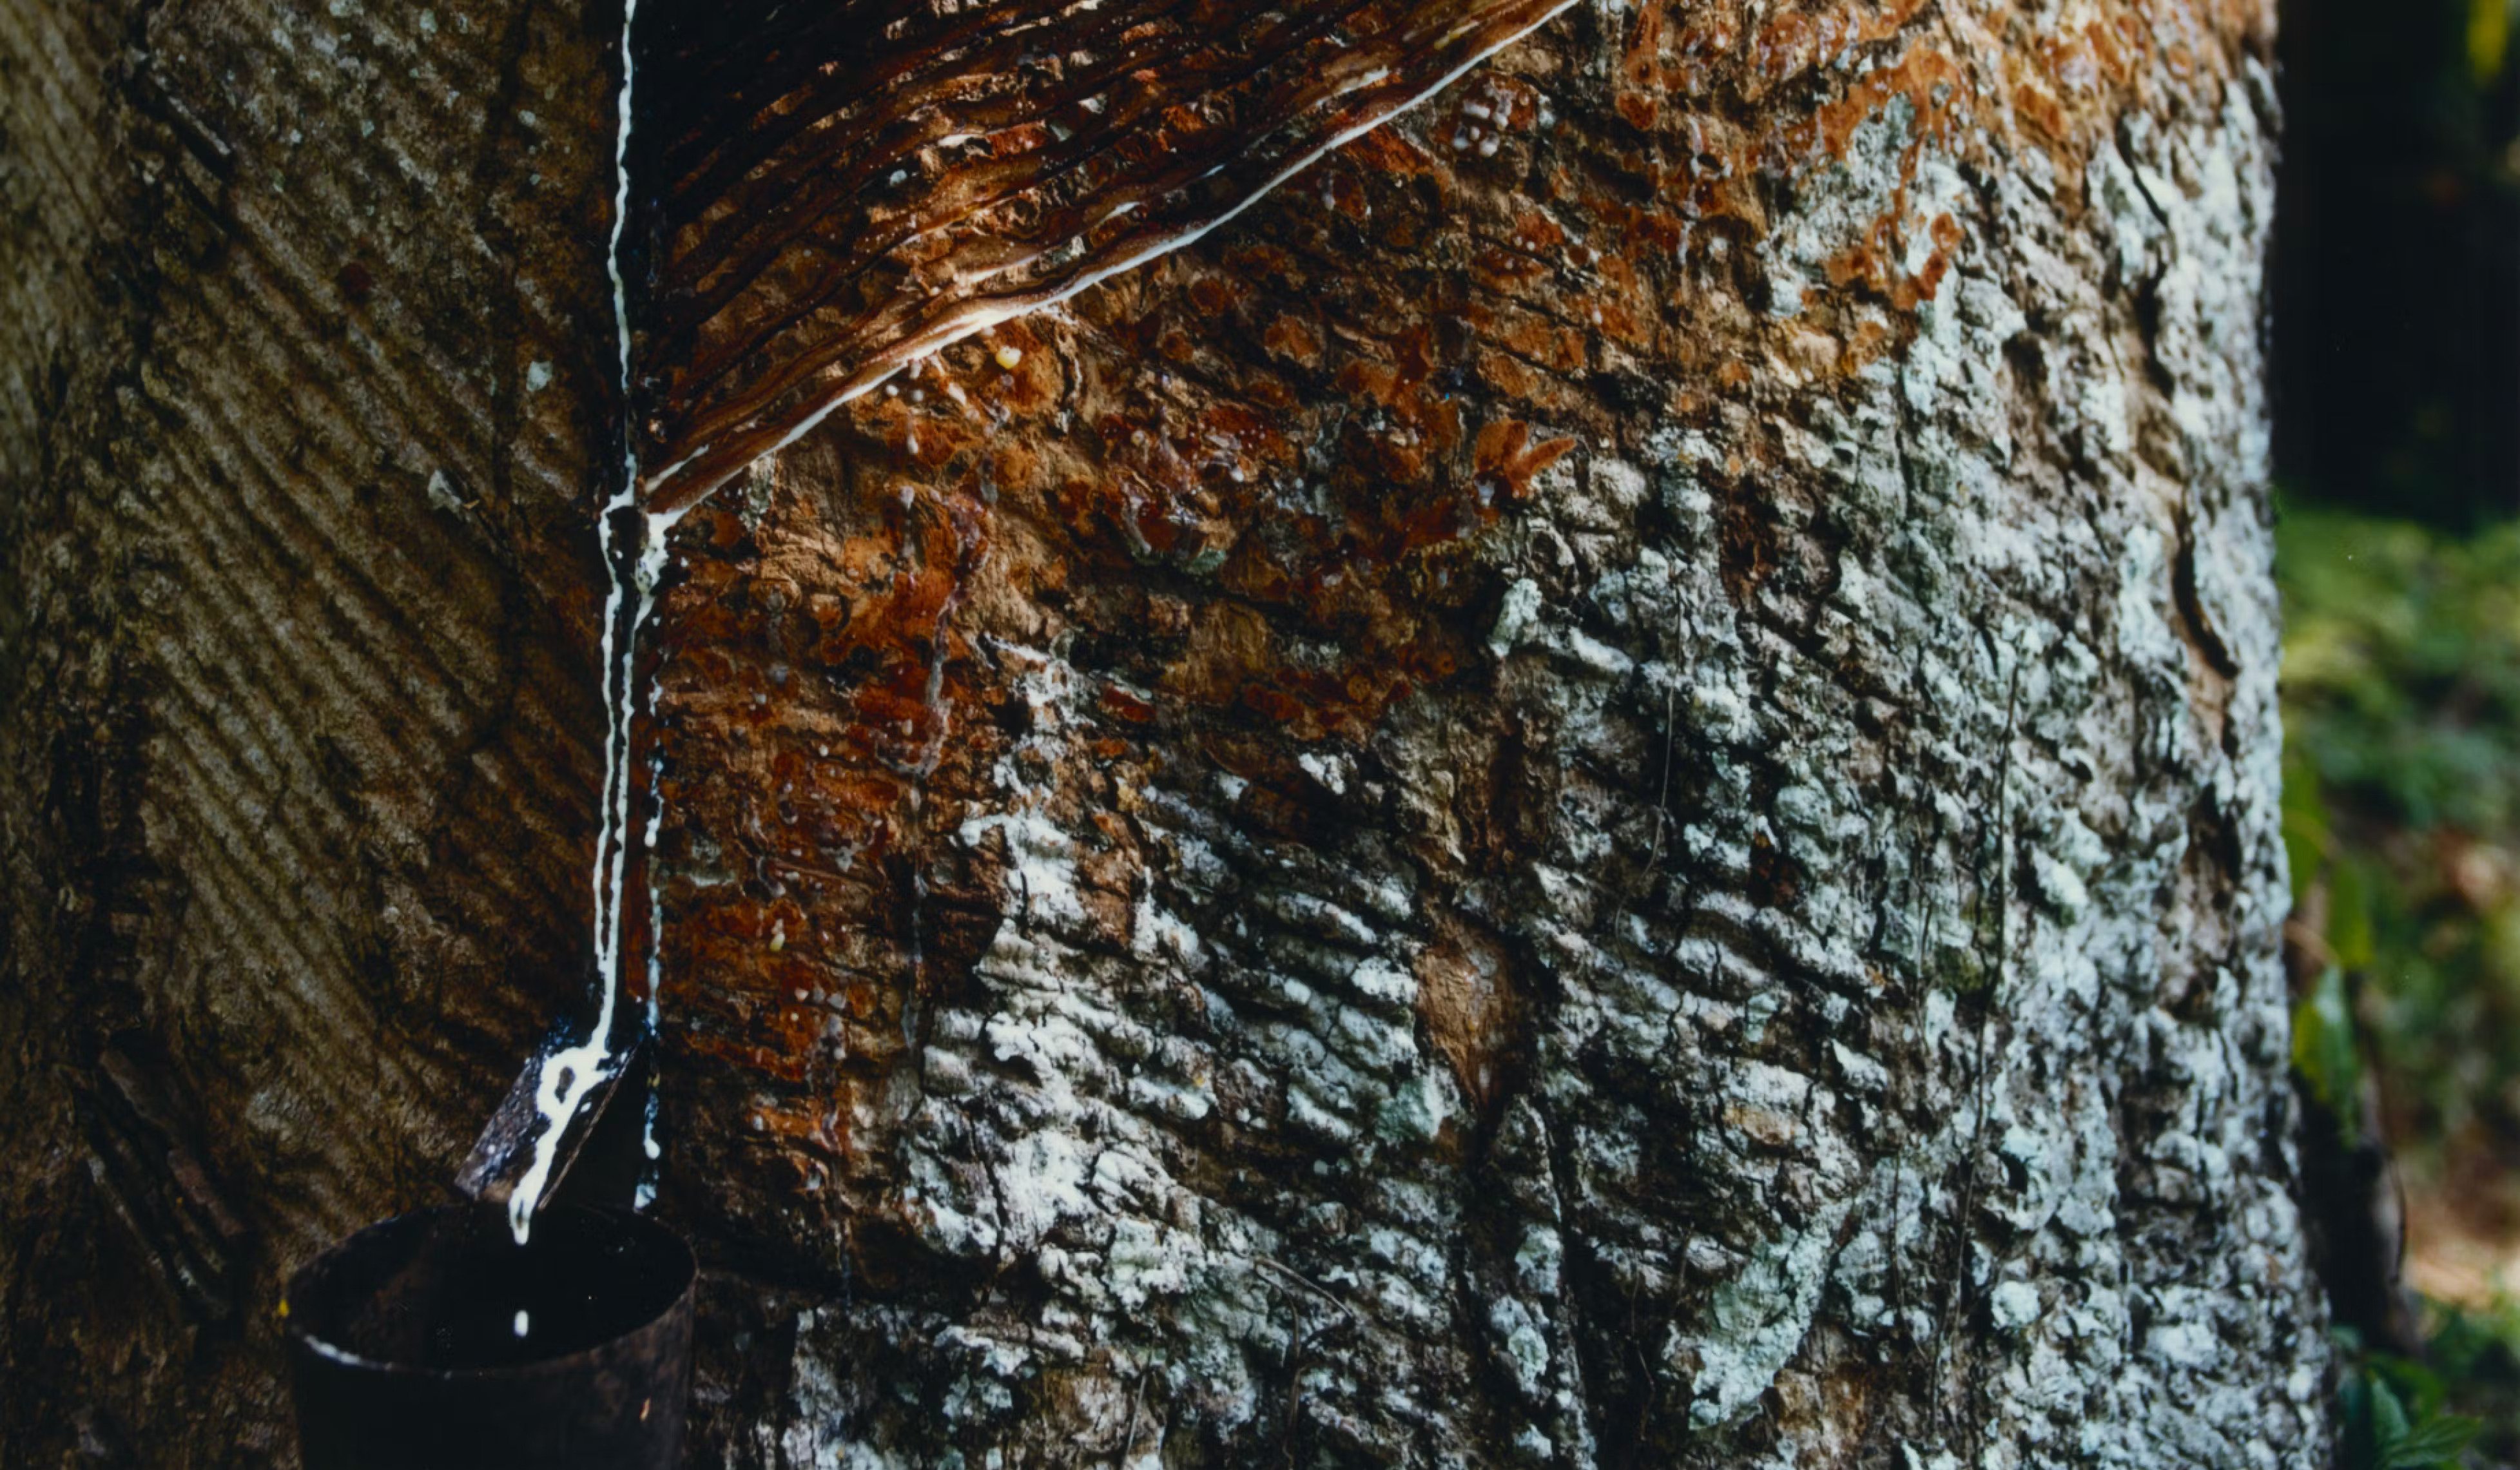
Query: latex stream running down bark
x,y
571,1073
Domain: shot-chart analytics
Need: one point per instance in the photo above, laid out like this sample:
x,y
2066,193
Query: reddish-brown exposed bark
x,y
835,191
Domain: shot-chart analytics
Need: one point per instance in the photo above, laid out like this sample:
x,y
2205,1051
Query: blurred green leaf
x,y
2324,1054
2434,1443
2393,1419
2349,940
2388,1423
2415,1386
2304,823
2470,1342
2489,38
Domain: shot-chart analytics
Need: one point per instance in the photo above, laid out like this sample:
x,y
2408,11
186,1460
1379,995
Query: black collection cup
x,y
407,1355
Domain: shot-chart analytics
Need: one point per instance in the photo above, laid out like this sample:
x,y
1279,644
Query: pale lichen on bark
x,y
1788,974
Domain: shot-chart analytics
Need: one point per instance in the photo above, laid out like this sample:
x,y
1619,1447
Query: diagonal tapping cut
x,y
841,190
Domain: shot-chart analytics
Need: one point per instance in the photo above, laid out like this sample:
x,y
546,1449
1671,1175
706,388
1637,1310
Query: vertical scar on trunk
x,y
1467,999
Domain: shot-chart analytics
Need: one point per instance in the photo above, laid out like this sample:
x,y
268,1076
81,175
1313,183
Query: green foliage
x,y
2402,665
2325,1053
2402,822
2402,807
2395,1414
2473,1345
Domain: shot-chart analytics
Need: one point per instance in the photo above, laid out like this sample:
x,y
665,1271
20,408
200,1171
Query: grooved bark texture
x,y
304,340
1598,790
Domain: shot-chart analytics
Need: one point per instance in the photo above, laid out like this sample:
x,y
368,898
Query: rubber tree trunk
x,y
1597,789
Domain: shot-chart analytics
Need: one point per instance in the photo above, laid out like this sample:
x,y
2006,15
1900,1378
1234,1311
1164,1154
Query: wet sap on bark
x,y
634,557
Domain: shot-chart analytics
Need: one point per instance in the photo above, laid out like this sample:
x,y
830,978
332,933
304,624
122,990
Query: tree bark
x,y
1600,788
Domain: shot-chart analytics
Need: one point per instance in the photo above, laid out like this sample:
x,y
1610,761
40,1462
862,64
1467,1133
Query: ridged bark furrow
x,y
305,340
